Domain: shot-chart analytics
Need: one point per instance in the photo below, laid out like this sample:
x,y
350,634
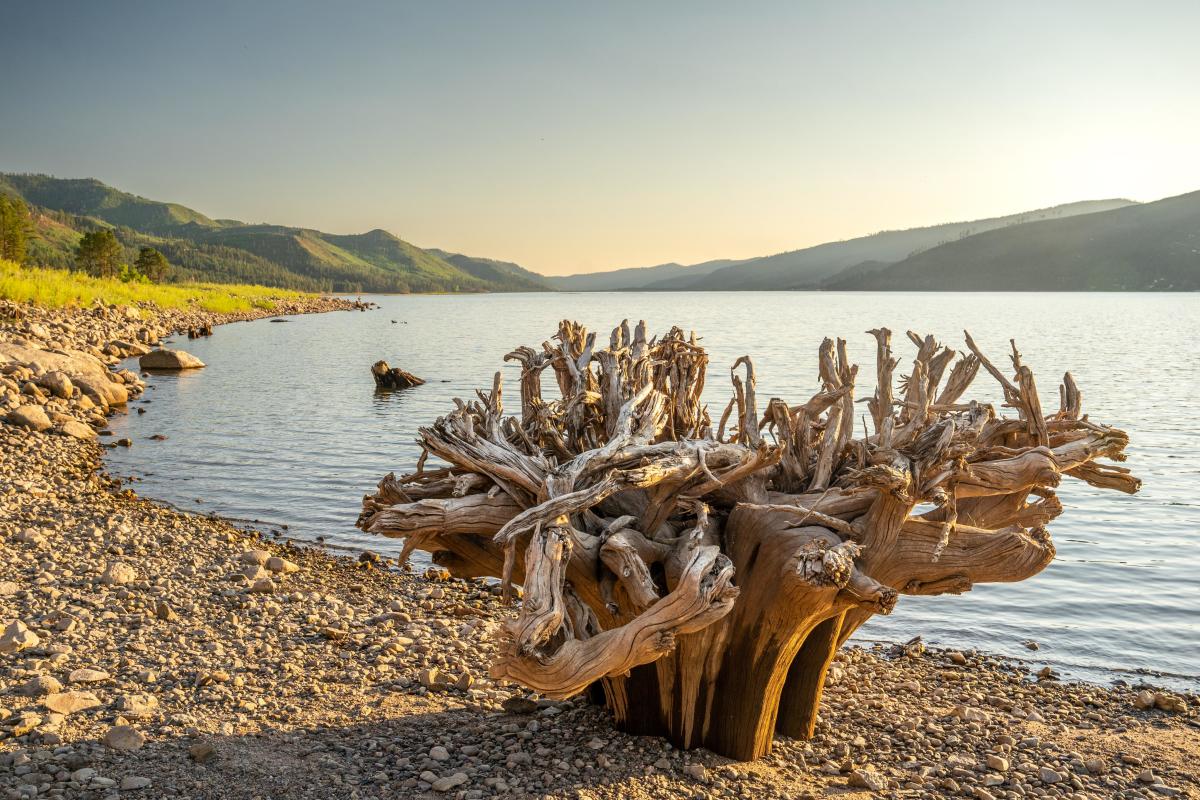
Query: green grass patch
x,y
55,288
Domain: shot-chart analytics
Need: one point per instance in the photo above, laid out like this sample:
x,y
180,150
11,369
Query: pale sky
x,y
573,137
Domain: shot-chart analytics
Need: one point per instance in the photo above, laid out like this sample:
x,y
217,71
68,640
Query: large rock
x,y
39,685
17,637
76,429
59,384
138,705
30,416
169,359
118,573
124,737
84,370
130,348
70,702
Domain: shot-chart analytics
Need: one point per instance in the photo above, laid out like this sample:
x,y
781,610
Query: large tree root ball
x,y
702,576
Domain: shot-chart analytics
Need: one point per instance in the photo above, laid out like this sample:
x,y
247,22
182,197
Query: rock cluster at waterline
x,y
58,366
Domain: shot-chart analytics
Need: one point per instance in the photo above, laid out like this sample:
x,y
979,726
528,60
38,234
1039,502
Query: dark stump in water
x,y
393,377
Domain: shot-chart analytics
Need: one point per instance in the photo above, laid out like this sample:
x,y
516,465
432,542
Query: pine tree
x,y
152,264
14,228
99,254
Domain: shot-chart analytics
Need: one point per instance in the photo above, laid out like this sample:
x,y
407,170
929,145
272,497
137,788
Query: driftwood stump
x,y
393,377
704,576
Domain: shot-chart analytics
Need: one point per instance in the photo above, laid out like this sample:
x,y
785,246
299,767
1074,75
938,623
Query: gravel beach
x,y
147,652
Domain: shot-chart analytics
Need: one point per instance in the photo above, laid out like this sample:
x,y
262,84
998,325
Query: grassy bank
x,y
55,288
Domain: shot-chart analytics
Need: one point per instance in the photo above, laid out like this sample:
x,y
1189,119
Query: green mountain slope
x,y
230,251
805,268
635,277
1154,246
512,276
88,197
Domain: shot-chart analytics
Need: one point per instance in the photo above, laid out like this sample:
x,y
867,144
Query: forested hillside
x,y
201,248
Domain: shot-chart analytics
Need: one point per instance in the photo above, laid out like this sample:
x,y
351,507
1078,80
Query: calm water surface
x,y
284,427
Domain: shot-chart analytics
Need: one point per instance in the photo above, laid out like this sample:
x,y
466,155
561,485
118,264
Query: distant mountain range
x,y
1105,245
807,268
1148,247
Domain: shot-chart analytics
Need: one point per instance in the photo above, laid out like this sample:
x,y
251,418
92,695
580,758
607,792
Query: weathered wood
x,y
704,578
393,377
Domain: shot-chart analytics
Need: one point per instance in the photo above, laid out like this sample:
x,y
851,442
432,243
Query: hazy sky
x,y
569,136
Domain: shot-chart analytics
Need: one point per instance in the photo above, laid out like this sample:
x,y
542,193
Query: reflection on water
x,y
285,426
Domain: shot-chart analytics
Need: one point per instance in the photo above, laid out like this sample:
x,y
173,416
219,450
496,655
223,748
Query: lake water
x,y
284,427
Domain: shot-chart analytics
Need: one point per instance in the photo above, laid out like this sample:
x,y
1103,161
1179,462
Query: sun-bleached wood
x,y
701,577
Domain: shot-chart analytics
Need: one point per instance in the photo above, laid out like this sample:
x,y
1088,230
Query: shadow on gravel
x,y
408,751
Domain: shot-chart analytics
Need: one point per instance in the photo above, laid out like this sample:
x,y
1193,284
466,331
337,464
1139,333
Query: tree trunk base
x,y
393,377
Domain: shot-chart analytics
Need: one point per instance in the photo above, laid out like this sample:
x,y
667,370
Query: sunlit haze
x,y
571,138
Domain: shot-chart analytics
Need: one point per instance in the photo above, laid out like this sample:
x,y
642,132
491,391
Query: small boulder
x,y
262,586
449,782
39,685
138,705
87,675
131,348
57,383
165,358
255,557
277,564
1169,702
124,737
1049,776
519,705
70,702
867,779
17,637
118,573
76,430
29,416
202,752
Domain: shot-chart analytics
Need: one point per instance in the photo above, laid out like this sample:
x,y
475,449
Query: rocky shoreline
x,y
147,652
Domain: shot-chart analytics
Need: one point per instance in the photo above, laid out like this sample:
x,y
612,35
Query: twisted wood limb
x,y
704,595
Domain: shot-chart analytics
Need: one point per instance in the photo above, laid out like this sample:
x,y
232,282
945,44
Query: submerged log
x,y
699,577
393,377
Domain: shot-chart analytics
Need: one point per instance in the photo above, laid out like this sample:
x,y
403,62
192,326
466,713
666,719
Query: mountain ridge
x,y
1143,247
1042,245
806,267
201,247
